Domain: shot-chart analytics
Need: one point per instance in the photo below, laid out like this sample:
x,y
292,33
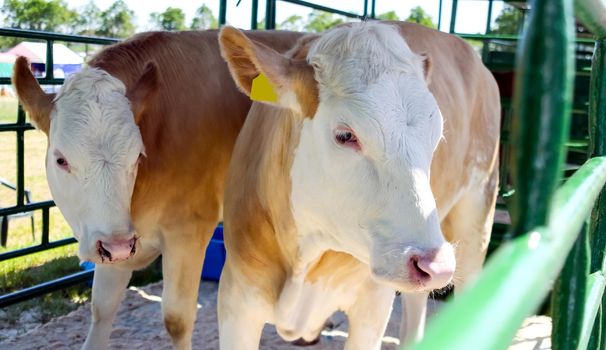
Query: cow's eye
x,y
344,136
63,164
61,161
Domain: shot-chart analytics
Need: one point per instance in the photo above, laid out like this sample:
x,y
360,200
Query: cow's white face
x,y
91,164
360,174
360,177
94,147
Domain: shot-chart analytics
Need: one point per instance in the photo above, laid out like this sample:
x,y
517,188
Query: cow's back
x,y
191,125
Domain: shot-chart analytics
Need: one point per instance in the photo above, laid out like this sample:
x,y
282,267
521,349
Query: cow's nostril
x,y
422,274
104,253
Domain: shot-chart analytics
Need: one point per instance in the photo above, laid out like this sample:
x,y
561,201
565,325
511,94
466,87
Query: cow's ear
x,y
427,67
35,101
141,93
268,76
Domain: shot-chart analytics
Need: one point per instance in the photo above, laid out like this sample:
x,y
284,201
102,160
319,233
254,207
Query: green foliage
x,y
171,20
117,21
89,20
205,19
389,16
509,21
294,23
418,15
51,15
319,21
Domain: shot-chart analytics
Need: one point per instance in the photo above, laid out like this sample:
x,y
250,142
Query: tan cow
x,y
329,204
140,141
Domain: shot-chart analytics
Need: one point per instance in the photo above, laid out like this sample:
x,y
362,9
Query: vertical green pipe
x,y
373,6
568,296
222,12
542,106
49,60
440,15
45,225
485,43
254,15
597,147
270,14
453,16
366,8
489,17
20,158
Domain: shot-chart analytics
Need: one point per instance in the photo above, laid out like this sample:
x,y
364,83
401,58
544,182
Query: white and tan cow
x,y
138,146
329,200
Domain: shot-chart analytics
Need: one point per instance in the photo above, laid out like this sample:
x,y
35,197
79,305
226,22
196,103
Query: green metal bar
x,y
25,207
542,104
20,158
42,81
254,14
373,6
440,15
502,37
597,147
15,127
37,248
489,17
270,8
592,13
44,288
34,34
222,12
45,226
49,60
511,291
568,296
323,8
366,8
596,333
453,16
593,299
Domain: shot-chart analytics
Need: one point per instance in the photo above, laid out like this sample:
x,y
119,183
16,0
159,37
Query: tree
x,y
204,19
50,16
319,21
509,21
418,15
389,16
171,19
294,23
89,20
117,21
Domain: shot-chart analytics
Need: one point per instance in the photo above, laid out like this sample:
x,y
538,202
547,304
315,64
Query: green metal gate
x,y
553,228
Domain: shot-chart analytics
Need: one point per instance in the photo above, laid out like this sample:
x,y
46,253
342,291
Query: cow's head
x,y
370,125
94,147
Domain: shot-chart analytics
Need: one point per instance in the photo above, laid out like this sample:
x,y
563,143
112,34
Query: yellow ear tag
x,y
262,90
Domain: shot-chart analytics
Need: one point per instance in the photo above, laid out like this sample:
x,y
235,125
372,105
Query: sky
x,y
471,14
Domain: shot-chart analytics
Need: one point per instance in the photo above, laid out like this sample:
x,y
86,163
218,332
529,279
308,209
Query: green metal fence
x,y
20,127
552,228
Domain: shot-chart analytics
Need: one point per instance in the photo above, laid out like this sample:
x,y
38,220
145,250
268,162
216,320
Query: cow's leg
x,y
182,257
368,317
468,226
242,313
414,312
109,286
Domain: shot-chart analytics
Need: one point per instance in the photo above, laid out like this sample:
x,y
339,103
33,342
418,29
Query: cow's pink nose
x,y
117,250
434,269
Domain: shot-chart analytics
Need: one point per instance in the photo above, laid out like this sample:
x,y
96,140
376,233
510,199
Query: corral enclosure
x,y
30,217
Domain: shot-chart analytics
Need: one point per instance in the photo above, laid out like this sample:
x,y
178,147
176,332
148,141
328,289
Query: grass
x,y
29,270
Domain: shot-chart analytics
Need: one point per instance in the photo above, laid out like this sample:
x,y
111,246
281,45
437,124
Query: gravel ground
x,y
139,326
